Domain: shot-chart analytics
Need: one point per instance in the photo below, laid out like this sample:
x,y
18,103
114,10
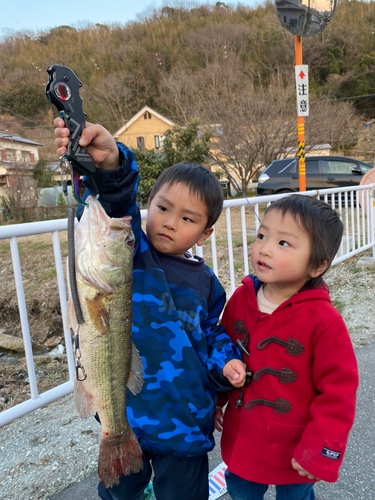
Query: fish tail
x,y
118,455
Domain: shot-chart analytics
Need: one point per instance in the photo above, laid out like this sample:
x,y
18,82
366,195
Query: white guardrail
x,y
354,204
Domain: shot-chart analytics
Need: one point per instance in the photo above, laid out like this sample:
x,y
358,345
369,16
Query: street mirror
x,y
305,17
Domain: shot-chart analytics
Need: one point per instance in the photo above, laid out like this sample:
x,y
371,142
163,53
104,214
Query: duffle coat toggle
x,y
239,328
293,347
239,401
286,376
280,405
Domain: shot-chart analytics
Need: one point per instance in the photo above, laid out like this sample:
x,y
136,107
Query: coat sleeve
x,y
219,345
335,376
118,190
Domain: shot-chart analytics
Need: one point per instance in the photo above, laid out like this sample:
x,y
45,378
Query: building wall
x,y
18,151
146,128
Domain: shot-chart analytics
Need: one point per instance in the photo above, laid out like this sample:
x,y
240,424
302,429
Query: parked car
x,y
322,172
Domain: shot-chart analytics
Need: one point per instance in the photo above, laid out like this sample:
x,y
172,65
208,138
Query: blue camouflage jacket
x,y
176,307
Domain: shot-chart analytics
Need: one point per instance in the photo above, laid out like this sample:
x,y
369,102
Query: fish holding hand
x,y
104,248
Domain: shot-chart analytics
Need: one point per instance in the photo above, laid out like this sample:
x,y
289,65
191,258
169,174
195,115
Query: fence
x,y
355,206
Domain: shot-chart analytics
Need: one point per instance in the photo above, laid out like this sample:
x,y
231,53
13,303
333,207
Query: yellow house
x,y
145,130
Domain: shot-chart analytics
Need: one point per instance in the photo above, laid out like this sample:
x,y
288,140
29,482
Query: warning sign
x,y
302,88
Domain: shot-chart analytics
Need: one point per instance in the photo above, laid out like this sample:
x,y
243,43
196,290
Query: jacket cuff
x,y
320,457
110,179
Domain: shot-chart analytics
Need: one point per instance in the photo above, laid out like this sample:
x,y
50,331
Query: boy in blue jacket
x,y
177,301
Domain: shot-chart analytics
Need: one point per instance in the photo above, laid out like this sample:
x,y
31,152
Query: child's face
x,y
176,220
281,253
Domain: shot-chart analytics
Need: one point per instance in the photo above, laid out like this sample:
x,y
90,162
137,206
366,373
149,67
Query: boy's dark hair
x,y
322,224
201,182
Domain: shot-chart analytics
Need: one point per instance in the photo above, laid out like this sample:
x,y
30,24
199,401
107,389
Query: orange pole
x,y
300,127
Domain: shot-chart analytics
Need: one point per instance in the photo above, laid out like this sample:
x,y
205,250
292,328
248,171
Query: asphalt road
x,y
357,475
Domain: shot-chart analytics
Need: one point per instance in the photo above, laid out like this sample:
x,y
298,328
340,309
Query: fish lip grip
x,y
62,90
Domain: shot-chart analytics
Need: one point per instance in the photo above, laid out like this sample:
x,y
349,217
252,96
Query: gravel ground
x,y
51,448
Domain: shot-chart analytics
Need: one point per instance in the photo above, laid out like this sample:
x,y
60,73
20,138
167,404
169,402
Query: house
x,y
145,130
17,160
16,149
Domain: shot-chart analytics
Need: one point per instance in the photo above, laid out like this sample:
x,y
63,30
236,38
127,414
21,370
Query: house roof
x,y
138,115
15,138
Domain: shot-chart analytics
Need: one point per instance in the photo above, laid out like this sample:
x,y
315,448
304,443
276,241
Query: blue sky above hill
x,y
41,15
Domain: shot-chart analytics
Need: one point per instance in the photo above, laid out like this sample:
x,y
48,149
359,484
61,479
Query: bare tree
x,y
20,191
331,122
113,96
257,127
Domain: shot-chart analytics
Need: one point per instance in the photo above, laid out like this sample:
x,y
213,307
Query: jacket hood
x,y
320,292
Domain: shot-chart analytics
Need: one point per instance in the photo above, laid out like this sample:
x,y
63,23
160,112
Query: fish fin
x,y
135,381
84,403
118,455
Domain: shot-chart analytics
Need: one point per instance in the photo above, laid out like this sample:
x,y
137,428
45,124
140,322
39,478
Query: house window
x,y
26,156
140,142
159,139
149,116
145,116
3,155
11,154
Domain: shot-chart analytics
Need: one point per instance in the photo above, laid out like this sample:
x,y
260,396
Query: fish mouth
x,y
261,263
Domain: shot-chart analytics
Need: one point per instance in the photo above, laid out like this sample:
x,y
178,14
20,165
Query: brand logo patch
x,y
333,455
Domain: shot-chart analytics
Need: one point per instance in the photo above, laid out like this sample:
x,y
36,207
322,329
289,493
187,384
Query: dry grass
x,y
40,287
44,315
14,385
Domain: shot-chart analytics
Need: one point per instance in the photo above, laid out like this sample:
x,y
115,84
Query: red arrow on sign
x,y
302,75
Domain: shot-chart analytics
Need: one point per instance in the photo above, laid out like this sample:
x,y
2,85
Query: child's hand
x,y
235,372
99,143
218,418
301,471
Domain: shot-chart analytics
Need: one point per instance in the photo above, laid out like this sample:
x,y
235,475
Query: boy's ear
x,y
204,236
320,270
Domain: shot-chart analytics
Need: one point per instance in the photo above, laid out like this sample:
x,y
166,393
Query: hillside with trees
x,y
222,64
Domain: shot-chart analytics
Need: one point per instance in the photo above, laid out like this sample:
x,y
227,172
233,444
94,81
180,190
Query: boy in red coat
x,y
289,425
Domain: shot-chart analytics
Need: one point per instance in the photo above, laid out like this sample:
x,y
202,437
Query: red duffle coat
x,y
301,400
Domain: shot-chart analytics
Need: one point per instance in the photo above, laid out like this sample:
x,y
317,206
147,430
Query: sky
x,y
20,15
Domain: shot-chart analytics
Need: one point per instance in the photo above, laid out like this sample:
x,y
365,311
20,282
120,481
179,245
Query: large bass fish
x,y
107,357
